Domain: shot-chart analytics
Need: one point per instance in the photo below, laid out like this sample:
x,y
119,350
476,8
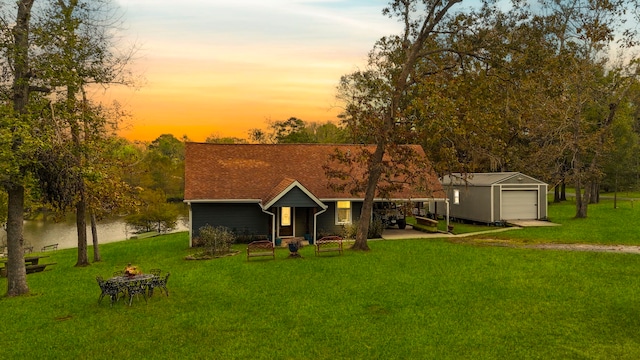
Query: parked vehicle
x,y
390,214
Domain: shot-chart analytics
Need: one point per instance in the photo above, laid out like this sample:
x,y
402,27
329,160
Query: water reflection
x,y
38,233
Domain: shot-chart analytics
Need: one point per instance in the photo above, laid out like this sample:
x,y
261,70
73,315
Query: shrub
x,y
216,240
349,231
375,230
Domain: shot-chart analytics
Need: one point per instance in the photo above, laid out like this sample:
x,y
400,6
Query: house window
x,y
456,196
343,212
285,216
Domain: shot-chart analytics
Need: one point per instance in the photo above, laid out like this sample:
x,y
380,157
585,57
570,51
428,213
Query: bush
x,y
375,230
215,240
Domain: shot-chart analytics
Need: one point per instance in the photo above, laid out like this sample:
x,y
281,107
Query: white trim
x,y
447,202
492,203
315,224
384,199
319,200
503,191
244,201
273,226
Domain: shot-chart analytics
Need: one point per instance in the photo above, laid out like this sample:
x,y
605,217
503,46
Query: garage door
x,y
519,204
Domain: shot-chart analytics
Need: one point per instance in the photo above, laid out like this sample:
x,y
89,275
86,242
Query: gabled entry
x,y
291,204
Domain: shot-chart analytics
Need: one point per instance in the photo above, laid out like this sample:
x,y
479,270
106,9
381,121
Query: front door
x,y
285,226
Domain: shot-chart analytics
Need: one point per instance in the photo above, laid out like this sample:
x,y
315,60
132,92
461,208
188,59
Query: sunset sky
x,y
223,67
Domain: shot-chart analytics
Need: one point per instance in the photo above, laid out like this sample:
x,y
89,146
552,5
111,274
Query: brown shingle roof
x,y
247,172
278,189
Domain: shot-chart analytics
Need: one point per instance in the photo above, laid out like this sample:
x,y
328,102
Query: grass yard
x,y
405,299
604,225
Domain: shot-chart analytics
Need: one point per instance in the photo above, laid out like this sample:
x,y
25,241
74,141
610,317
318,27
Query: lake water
x,y
38,233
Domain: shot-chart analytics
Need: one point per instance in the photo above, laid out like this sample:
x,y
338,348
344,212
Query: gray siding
x,y
479,203
240,218
475,203
248,219
327,220
295,198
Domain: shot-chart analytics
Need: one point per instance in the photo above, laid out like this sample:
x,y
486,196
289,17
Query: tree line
x,y
548,88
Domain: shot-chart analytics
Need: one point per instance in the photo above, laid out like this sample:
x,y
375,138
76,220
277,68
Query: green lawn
x,y
603,225
405,299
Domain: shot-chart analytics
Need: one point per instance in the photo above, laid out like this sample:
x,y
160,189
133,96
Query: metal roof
x,y
487,179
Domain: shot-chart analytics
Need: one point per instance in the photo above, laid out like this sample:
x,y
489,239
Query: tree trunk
x,y
581,202
615,191
563,191
595,193
556,193
375,172
436,13
81,225
16,272
94,236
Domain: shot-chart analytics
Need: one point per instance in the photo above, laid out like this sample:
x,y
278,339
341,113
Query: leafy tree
x,y
291,131
108,193
75,41
378,100
327,133
620,162
163,167
540,93
16,136
216,139
154,213
590,87
297,131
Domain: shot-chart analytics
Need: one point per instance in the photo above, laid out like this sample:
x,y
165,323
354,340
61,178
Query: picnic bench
x,y
260,248
50,247
31,264
37,267
328,244
427,223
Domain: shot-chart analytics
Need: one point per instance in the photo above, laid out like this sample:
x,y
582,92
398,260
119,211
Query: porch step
x,y
301,240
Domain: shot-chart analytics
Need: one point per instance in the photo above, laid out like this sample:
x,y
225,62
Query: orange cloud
x,y
198,101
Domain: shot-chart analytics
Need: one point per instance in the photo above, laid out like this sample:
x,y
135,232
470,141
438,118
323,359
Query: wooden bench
x,y
260,248
30,268
329,244
37,268
50,247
